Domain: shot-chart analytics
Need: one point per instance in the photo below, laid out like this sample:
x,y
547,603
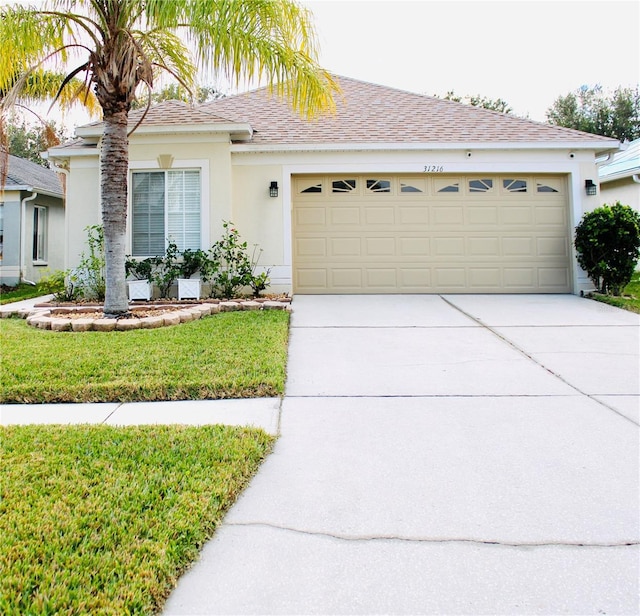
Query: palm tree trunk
x,y
114,158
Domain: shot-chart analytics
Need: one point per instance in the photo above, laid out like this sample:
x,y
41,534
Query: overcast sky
x,y
527,52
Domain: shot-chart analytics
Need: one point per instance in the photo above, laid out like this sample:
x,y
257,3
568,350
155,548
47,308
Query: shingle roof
x,y
622,164
368,113
171,112
23,172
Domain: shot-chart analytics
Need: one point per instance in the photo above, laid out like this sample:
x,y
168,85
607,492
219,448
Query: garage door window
x,y
343,186
379,186
480,186
515,186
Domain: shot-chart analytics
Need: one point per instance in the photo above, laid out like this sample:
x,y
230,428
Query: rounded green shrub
x,y
607,242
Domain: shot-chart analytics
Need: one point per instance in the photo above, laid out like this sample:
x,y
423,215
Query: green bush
x,y
608,245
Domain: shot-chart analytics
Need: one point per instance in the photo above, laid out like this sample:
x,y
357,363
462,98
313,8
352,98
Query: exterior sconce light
x,y
590,187
273,189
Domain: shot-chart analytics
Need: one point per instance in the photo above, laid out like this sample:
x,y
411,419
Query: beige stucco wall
x,y
625,190
236,181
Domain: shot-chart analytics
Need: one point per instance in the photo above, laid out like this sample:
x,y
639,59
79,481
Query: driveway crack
x,y
432,540
535,361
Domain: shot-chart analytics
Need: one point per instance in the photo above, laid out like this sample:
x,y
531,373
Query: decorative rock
x,y
125,325
185,316
41,322
171,318
151,322
229,306
215,308
251,305
104,325
203,310
60,325
82,325
273,305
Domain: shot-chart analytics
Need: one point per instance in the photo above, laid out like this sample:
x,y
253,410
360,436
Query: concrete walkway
x,y
441,455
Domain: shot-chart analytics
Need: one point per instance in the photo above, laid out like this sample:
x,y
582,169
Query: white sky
x,y
527,52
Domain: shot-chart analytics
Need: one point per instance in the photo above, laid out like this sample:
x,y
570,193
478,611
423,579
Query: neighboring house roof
x,y
367,113
622,164
25,175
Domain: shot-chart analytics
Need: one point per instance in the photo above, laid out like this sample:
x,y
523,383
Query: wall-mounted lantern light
x,y
273,189
590,187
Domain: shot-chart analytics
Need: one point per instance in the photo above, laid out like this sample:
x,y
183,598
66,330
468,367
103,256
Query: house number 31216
x,y
433,169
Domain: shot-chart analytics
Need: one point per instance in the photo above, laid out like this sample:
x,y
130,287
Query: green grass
x,y
630,298
228,355
20,292
102,520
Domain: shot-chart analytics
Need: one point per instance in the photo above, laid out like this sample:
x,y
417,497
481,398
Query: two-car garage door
x,y
434,233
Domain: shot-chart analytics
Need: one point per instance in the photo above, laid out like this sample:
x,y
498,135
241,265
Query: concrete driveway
x,y
441,455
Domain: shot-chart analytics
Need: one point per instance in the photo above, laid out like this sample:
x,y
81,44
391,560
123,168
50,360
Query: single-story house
x,y
32,222
620,176
395,192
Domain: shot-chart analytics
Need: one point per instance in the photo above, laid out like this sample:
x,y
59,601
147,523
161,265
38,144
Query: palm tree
x,y
124,44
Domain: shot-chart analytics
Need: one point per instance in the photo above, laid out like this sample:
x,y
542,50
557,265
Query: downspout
x,y
23,236
636,178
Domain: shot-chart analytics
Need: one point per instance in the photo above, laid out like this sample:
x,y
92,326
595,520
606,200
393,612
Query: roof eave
x,y
599,147
29,188
235,130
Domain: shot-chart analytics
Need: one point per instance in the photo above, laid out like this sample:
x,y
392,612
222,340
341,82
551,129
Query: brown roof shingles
x,y
369,113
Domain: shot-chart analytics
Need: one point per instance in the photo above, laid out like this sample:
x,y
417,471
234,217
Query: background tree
x,y
30,140
592,110
175,91
493,104
124,44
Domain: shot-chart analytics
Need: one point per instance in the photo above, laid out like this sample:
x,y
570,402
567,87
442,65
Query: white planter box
x,y
188,288
139,289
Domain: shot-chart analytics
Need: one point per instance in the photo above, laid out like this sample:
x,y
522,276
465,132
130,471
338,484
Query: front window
x,y
165,207
39,233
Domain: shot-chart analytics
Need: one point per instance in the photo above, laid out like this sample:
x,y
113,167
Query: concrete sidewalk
x,y
441,455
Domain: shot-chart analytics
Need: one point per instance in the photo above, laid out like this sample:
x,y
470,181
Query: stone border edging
x,y
48,317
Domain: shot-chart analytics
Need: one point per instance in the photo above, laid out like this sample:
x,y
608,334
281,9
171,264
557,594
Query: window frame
x,y
40,234
199,165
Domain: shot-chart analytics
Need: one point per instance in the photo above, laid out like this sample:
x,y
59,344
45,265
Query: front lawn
x,y
630,298
20,292
228,355
103,520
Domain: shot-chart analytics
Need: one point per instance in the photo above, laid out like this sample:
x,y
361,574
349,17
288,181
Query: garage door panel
x,y
552,247
381,246
346,247
346,278
448,246
414,215
518,246
482,216
451,215
482,235
414,246
342,216
483,278
550,278
311,247
310,217
483,246
380,215
382,278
